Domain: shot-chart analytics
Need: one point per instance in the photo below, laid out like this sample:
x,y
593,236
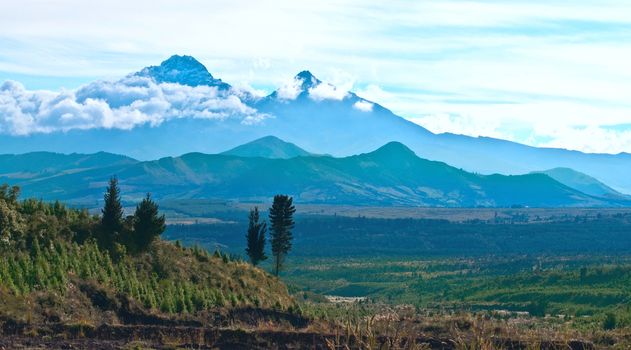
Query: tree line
x,y
281,225
22,223
133,233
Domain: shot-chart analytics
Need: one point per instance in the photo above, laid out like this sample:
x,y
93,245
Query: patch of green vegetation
x,y
583,288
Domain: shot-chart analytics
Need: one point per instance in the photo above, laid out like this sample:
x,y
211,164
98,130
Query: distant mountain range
x,y
317,116
392,175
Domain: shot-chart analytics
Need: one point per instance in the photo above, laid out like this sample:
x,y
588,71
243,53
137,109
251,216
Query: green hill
x,y
268,147
52,272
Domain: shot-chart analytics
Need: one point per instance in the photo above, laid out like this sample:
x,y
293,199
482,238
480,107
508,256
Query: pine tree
x,y
281,219
256,238
112,219
148,225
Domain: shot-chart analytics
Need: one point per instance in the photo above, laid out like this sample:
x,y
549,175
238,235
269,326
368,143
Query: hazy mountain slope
x,y
582,182
391,175
35,165
267,147
336,123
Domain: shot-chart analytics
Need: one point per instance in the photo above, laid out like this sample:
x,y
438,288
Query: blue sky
x,y
546,73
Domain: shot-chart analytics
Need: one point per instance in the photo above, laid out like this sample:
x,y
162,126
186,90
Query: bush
x,y
610,322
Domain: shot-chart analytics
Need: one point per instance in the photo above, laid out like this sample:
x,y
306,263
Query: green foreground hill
x,y
51,272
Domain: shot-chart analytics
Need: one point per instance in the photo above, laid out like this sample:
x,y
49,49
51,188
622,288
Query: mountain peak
x,y
307,79
184,70
184,63
394,154
268,147
395,148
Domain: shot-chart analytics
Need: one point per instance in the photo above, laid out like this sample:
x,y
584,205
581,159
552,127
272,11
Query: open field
x,y
201,209
343,237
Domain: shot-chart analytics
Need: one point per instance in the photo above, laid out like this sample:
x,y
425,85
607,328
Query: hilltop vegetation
x,y
53,269
583,289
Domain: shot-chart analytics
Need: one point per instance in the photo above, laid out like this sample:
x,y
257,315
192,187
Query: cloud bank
x,y
363,106
290,90
467,59
324,91
122,104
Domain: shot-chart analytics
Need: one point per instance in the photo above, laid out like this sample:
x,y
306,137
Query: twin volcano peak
x,y
186,70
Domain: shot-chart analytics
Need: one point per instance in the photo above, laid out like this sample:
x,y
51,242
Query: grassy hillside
x,y
53,271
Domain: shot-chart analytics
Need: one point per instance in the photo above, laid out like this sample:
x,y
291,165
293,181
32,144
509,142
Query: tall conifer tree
x,y
112,219
281,221
148,224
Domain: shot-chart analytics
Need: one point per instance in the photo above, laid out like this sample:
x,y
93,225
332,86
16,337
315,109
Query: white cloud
x,y
246,91
591,139
565,125
325,91
375,93
290,90
122,104
465,125
363,106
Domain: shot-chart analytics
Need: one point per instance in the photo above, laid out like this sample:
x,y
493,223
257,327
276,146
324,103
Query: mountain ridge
x,y
392,175
582,182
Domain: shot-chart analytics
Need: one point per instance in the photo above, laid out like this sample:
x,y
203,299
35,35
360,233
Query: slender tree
x,y
112,219
281,221
148,224
256,237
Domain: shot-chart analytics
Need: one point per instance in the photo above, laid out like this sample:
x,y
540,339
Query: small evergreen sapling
x,y
256,238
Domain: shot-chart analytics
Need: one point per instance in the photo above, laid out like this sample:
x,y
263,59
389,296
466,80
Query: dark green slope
x,y
38,164
60,176
391,175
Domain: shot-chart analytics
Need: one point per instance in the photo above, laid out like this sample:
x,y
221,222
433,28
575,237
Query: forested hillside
x,y
60,265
